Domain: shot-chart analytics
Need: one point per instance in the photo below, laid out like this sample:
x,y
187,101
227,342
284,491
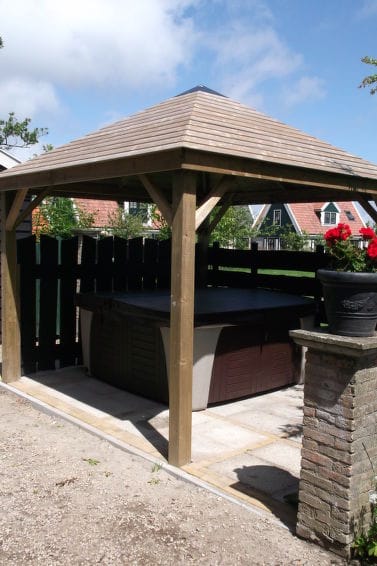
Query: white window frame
x,y
332,220
277,217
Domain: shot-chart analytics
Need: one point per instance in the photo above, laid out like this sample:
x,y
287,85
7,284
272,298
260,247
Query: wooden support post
x,y
182,318
10,322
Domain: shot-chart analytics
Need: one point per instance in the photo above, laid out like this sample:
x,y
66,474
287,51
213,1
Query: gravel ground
x,y
68,497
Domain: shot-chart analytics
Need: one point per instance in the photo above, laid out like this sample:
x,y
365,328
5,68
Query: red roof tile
x,y
100,208
309,220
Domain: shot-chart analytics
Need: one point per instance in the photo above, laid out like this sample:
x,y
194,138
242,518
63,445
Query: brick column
x,y
339,450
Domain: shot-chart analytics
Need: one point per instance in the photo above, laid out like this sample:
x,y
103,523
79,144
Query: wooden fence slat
x,y
48,303
150,264
135,264
120,264
163,268
26,252
67,309
104,271
87,264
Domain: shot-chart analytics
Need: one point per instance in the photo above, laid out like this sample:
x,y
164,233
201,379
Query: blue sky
x,y
76,65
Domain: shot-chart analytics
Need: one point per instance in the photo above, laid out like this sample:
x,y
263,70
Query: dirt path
x,y
67,497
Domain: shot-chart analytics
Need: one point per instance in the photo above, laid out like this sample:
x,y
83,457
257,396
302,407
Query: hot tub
x,y
241,341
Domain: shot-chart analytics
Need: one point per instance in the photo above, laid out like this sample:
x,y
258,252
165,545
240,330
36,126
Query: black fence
x,y
53,271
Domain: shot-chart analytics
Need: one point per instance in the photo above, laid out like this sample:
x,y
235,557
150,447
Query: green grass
x,y
289,272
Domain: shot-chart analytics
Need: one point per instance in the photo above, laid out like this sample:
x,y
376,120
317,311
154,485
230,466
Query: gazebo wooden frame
x,y
187,155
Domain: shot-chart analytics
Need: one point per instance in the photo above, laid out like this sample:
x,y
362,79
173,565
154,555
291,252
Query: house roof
x,y
7,160
307,218
203,131
101,209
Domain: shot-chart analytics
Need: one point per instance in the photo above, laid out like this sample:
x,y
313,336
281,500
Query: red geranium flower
x,y
372,249
348,254
367,233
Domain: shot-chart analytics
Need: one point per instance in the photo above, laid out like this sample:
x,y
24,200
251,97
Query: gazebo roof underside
x,y
266,160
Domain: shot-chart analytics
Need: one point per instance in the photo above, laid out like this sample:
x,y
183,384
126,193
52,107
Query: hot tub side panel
x,y
248,361
128,352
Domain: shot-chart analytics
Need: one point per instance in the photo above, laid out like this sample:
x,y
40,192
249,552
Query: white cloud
x,y
27,97
78,43
246,57
118,46
303,90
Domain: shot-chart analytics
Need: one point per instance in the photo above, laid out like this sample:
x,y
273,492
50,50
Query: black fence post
x,y
253,264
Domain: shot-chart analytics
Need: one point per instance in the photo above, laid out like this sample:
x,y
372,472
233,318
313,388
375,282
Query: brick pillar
x,y
339,450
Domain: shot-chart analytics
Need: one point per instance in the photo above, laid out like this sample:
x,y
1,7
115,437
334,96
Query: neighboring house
x,y
102,211
313,219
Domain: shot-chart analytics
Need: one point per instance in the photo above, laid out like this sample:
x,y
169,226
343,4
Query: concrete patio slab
x,y
249,449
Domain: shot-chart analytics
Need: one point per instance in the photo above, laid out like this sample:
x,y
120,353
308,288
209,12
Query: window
x,y
139,209
277,217
330,214
349,215
329,218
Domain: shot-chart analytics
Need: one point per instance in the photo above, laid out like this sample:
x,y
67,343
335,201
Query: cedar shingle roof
x,y
202,121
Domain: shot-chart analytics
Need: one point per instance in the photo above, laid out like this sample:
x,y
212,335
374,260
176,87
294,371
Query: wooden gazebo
x,y
187,154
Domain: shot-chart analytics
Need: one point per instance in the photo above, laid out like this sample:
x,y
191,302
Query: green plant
x,y
57,216
346,256
164,230
125,225
91,461
365,544
292,240
234,229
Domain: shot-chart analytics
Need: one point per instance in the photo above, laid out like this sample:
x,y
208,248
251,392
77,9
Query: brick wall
x,y
339,453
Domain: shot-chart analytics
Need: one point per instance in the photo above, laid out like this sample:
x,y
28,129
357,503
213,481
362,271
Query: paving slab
x,y
249,448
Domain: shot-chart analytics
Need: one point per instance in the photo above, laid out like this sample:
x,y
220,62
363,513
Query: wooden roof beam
x,y
275,172
95,171
212,200
227,202
31,206
368,208
14,210
158,197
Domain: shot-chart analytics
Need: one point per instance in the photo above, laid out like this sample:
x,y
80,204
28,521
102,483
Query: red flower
x,y
372,249
334,235
367,233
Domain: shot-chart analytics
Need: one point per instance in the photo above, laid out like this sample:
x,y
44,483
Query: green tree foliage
x,y
289,238
125,225
57,216
164,230
370,80
17,133
234,229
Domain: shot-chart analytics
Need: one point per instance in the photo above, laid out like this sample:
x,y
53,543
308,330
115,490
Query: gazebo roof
x,y
204,131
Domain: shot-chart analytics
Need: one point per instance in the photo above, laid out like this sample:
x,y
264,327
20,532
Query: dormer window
x,y
329,218
330,214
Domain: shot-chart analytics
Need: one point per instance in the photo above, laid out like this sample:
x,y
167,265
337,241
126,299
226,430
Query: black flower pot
x,y
350,302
